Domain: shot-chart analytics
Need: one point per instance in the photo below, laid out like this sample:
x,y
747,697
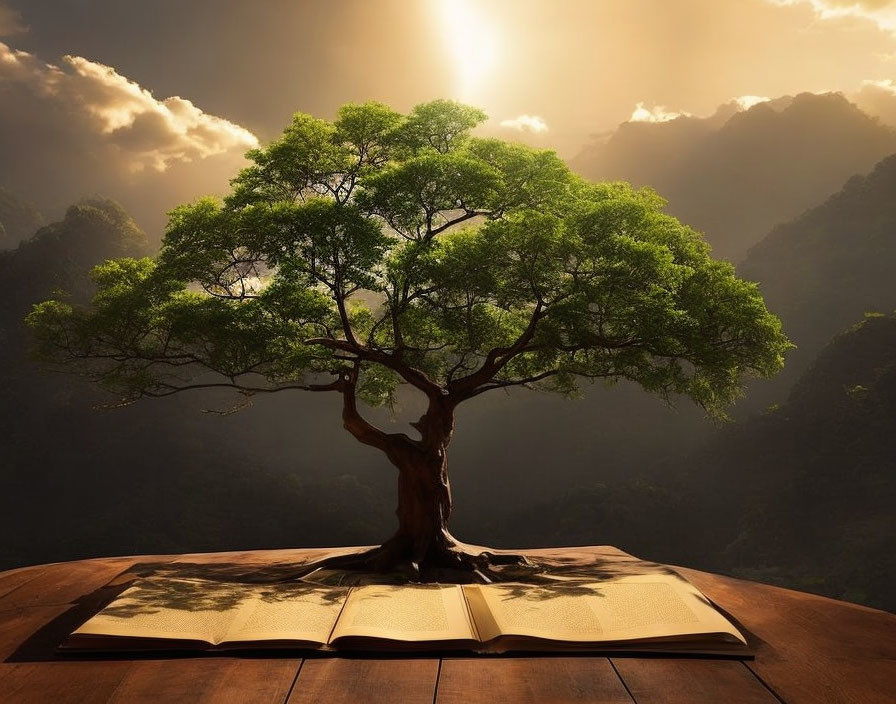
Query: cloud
x,y
880,12
78,128
11,22
878,98
526,123
148,133
657,113
745,102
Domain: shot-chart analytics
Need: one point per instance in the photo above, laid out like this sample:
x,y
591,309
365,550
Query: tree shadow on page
x,y
221,586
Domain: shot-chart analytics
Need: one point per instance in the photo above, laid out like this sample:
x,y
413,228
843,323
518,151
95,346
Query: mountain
x,y
801,496
738,173
58,257
18,220
814,479
825,268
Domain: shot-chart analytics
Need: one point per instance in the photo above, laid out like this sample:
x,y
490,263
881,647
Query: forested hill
x,y
18,219
735,176
802,496
814,481
823,270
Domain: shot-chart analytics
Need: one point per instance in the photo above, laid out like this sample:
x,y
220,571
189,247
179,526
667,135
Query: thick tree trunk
x,y
424,493
422,545
424,505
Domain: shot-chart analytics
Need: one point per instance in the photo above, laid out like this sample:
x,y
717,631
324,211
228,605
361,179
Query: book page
x,y
171,609
627,608
301,612
407,613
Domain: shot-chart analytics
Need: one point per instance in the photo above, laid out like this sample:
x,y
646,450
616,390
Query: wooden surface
x,y
808,649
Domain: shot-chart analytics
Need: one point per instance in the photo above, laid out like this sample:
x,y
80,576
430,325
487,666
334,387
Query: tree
x,y
377,250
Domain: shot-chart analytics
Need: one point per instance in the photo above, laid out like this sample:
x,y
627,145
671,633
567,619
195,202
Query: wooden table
x,y
808,649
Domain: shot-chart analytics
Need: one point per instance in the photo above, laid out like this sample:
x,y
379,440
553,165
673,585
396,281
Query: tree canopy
x,y
379,249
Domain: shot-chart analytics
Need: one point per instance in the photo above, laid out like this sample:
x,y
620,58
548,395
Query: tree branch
x,y
413,376
497,358
364,431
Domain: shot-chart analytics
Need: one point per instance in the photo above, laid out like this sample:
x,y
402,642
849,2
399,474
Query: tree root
x,y
455,563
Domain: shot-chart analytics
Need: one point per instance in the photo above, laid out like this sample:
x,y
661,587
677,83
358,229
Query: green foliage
x,y
384,248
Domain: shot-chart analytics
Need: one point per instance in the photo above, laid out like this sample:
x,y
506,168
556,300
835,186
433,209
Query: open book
x,y
660,613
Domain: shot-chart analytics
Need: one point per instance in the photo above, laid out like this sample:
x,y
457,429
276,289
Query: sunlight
x,y
472,42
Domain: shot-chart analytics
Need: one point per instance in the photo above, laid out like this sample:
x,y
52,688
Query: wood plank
x,y
811,648
534,680
256,681
13,579
246,680
19,625
348,681
830,680
64,583
796,623
691,681
61,682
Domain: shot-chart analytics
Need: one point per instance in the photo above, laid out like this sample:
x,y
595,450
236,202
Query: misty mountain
x,y
813,481
801,496
18,219
825,268
736,174
57,258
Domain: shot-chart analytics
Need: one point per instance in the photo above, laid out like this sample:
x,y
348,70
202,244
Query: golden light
x,y
472,42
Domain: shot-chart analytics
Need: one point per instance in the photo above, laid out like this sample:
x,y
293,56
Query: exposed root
x,y
456,563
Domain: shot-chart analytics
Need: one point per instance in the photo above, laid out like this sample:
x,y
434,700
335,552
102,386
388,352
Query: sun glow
x,y
473,44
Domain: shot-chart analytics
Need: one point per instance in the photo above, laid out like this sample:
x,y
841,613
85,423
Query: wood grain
x,y
348,681
60,682
18,625
690,681
13,579
214,679
530,680
64,582
811,649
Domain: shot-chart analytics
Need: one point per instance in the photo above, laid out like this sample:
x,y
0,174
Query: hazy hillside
x,y
824,269
817,480
18,220
801,496
736,177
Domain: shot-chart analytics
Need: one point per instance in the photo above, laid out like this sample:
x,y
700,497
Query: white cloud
x,y
11,22
881,12
526,123
886,85
745,102
657,113
149,133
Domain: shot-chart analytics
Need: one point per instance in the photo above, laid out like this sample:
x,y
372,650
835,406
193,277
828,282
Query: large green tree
x,y
383,249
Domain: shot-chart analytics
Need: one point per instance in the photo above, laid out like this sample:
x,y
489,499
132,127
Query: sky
x,y
107,95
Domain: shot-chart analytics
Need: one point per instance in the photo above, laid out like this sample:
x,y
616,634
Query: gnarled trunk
x,y
422,543
424,492
424,505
